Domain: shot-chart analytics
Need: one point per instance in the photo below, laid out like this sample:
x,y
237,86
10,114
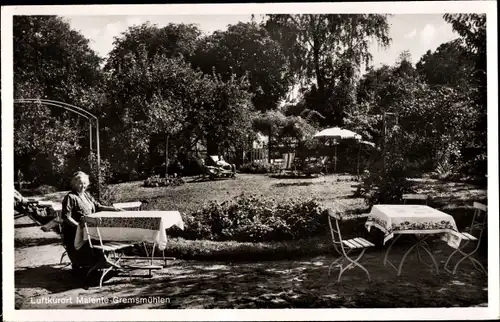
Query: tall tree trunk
x,y
269,146
166,156
319,78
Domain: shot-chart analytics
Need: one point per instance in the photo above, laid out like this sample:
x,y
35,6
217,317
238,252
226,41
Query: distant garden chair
x,y
344,247
213,171
323,161
288,162
471,235
218,161
415,198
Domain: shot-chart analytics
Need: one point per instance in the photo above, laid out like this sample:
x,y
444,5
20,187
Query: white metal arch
x,y
81,112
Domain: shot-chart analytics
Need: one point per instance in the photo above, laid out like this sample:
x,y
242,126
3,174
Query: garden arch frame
x,y
81,112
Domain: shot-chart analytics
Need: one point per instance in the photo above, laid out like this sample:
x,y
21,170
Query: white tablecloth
x,y
132,226
413,219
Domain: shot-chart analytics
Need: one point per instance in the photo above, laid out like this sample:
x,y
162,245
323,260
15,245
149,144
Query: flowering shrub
x,y
250,219
157,181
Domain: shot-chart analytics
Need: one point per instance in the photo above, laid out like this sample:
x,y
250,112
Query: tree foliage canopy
x,y
51,61
163,91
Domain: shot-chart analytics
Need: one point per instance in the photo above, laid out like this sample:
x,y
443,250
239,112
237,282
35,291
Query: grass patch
x,y
193,195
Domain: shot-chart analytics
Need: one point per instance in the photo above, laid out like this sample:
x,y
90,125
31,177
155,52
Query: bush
x,y
249,219
384,186
254,167
169,181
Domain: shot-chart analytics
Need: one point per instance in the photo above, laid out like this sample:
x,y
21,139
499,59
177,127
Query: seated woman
x,y
76,204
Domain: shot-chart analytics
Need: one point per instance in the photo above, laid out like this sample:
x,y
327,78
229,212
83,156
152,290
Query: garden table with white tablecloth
x,y
418,220
132,226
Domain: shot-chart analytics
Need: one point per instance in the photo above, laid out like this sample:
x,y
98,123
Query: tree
x,y
472,31
317,45
245,49
435,119
448,65
161,104
173,40
52,61
138,106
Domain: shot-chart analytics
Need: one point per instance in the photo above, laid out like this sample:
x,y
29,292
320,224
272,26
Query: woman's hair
x,y
78,177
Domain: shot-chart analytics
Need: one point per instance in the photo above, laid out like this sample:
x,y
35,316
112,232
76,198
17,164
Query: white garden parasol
x,y
339,134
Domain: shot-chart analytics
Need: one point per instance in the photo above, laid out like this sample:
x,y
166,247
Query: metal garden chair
x,y
111,250
344,247
477,227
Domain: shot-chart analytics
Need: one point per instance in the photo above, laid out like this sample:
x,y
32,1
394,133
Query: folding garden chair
x,y
415,198
344,247
225,169
111,250
288,162
324,164
477,227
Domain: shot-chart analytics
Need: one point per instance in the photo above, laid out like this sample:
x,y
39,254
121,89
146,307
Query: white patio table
x,y
418,220
132,226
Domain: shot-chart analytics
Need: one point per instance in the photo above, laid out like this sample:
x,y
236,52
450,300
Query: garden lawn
x,y
333,191
192,195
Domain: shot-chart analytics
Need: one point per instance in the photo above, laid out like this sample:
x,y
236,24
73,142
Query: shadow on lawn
x,y
53,278
32,242
306,284
298,184
25,225
292,176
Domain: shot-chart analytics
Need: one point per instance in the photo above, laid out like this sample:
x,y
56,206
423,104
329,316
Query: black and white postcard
x,y
300,161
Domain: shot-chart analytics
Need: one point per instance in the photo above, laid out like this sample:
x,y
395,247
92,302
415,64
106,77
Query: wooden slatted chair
x,y
344,247
415,198
111,250
477,227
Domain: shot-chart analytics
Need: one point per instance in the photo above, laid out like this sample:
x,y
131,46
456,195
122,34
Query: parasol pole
x,y
335,160
359,152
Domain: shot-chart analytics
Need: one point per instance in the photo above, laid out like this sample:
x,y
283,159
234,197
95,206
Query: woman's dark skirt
x,y
82,258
